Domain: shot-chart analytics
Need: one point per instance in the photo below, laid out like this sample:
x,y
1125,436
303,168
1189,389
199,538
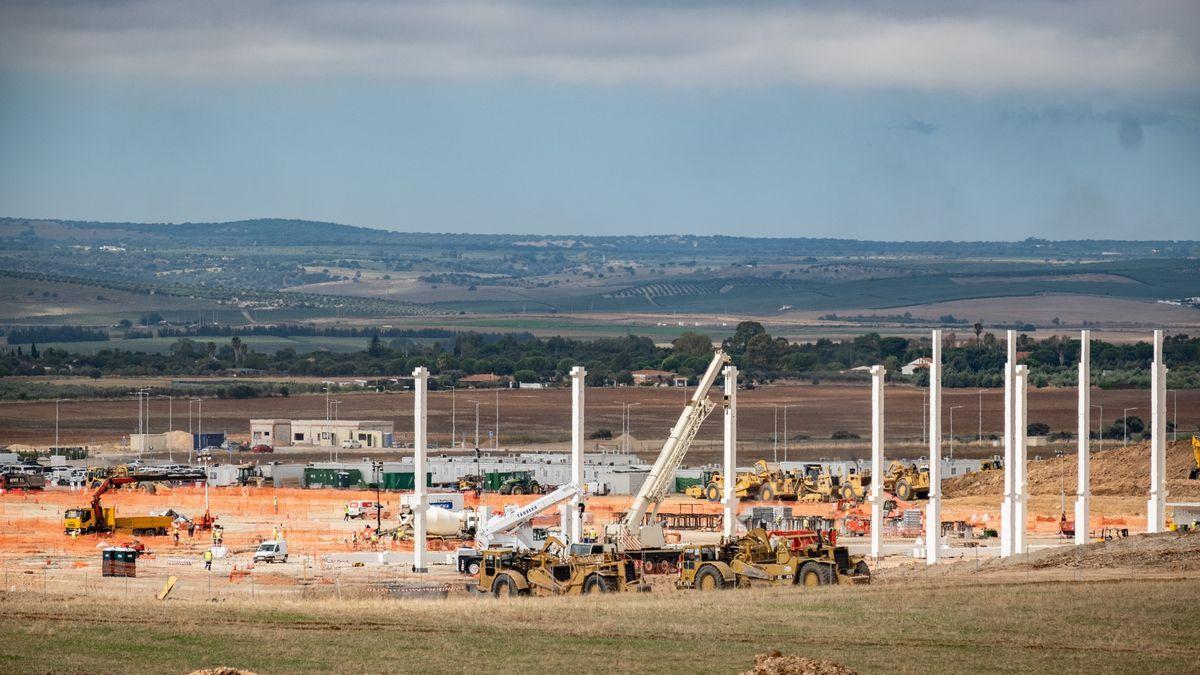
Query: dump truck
x,y
582,569
758,558
98,518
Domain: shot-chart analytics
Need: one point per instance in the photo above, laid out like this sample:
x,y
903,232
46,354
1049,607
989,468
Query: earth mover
x,y
906,482
1194,474
766,482
582,569
755,559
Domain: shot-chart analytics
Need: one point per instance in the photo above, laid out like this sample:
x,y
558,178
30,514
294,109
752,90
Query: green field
x,y
1094,627
262,343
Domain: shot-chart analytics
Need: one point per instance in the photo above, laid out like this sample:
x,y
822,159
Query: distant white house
x,y
913,366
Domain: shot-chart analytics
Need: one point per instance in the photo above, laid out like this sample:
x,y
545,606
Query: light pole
x,y
1101,425
496,438
981,418
56,402
1175,417
199,432
204,459
335,403
476,422
785,429
170,424
626,425
327,401
775,435
378,467
453,418
1125,425
952,409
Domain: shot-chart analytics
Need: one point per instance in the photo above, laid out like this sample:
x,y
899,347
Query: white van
x,y
271,551
362,508
351,444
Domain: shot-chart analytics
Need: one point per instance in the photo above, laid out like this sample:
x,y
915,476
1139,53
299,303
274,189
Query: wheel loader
x,y
1194,474
582,569
755,559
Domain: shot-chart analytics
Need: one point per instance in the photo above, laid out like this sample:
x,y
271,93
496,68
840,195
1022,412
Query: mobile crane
x,y
512,530
635,536
96,518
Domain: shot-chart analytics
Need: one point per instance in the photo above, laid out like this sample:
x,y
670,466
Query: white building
x,y
322,433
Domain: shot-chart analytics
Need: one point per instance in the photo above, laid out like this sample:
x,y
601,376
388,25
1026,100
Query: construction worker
x,y
275,499
216,535
191,530
346,512
176,536
208,560
275,533
282,531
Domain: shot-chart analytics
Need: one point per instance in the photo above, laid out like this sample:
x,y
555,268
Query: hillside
x,y
1122,472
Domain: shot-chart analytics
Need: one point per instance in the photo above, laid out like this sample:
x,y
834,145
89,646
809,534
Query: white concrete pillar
x,y
578,387
1083,493
1020,477
420,419
875,496
933,512
1156,508
1006,507
729,500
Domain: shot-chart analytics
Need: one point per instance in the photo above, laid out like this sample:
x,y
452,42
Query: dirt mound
x,y
1166,551
776,663
222,670
1120,472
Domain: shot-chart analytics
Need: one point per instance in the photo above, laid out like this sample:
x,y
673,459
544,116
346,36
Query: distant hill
x,y
288,232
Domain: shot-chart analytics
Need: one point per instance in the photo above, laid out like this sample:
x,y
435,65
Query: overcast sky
x,y
907,120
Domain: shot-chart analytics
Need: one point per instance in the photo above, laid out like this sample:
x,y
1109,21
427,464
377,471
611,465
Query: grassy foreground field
x,y
1123,626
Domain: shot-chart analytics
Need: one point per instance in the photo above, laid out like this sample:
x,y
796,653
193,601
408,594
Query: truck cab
x,y
271,551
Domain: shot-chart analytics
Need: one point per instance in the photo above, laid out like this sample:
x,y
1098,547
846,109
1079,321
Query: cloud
x,y
923,127
1035,45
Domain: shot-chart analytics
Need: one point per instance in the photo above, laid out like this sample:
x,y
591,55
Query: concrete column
x,y
933,512
728,500
1083,494
875,496
578,387
420,419
1156,508
1006,507
1020,479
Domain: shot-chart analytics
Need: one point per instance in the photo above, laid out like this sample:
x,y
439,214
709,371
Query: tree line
x,y
975,360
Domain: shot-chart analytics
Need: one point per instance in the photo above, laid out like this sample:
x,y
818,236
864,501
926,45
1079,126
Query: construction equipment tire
x,y
503,586
848,492
709,579
1194,473
903,489
766,493
712,492
518,490
811,574
862,570
535,489
473,568
597,584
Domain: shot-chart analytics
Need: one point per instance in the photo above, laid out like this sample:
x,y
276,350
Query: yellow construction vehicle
x,y
556,570
1194,474
906,482
755,559
97,518
767,482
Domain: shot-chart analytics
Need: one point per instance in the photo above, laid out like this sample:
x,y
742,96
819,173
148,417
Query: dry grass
x,y
1145,625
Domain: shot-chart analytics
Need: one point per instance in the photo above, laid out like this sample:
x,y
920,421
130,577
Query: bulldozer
x,y
755,559
1194,474
582,569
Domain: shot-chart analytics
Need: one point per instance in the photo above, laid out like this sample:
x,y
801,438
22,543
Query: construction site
x,y
482,532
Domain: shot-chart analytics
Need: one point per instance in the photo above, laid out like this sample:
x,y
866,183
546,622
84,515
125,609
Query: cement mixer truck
x,y
440,521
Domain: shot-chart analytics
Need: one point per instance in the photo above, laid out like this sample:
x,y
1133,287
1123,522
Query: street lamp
x,y
56,402
1125,425
453,418
626,425
952,409
170,424
1101,425
980,418
199,426
496,438
476,422
785,429
204,458
775,435
378,467
1175,417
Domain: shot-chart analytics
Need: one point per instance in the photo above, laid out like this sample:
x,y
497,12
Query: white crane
x,y
630,533
510,528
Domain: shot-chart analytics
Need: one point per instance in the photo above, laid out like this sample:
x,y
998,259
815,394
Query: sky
x,y
910,120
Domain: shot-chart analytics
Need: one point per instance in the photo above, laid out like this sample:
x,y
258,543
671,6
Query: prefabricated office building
x,y
321,433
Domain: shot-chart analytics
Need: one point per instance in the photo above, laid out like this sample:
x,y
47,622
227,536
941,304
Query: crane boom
x,y
662,475
523,514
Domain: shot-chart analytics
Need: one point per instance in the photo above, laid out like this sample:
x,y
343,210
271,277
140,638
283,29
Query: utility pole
x,y
476,422
496,439
775,435
453,418
980,418
56,402
952,409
